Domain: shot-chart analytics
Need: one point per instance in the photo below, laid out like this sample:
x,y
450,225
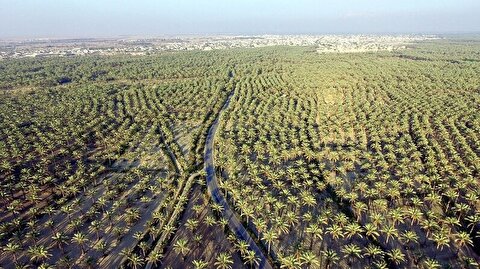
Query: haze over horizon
x,y
110,18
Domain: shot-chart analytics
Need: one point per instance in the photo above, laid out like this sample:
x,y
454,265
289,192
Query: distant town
x,y
145,46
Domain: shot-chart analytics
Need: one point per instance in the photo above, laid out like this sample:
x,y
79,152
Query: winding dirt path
x,y
233,222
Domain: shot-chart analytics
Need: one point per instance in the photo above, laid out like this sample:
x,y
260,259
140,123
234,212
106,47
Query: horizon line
x,y
153,36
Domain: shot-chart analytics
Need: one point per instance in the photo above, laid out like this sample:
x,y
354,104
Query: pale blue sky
x,y
97,18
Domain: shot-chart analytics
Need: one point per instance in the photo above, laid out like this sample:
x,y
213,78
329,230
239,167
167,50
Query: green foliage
x,y
342,160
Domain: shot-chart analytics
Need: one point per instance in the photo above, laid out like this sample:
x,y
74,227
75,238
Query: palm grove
x,y
329,160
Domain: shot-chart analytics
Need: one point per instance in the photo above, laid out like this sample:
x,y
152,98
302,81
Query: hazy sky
x,y
96,18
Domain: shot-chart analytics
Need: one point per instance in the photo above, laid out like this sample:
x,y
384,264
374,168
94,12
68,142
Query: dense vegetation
x,y
359,160
330,160
92,169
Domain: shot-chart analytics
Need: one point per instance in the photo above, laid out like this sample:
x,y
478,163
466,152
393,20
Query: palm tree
x,y
180,247
33,234
429,225
461,209
396,256
135,260
373,252
390,232
290,262
336,231
242,246
60,239
261,225
199,264
441,239
217,208
68,210
351,251
95,227
144,246
223,223
197,239
132,215
223,261
154,257
38,253
210,221
269,236
12,248
248,212
376,218
359,208
168,229
409,237
281,225
308,200
197,209
102,201
371,231
431,264
463,239
414,214
153,231
191,224
331,257
353,229
80,239
50,224
397,216
101,246
473,221
310,259
381,264
315,233
250,258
